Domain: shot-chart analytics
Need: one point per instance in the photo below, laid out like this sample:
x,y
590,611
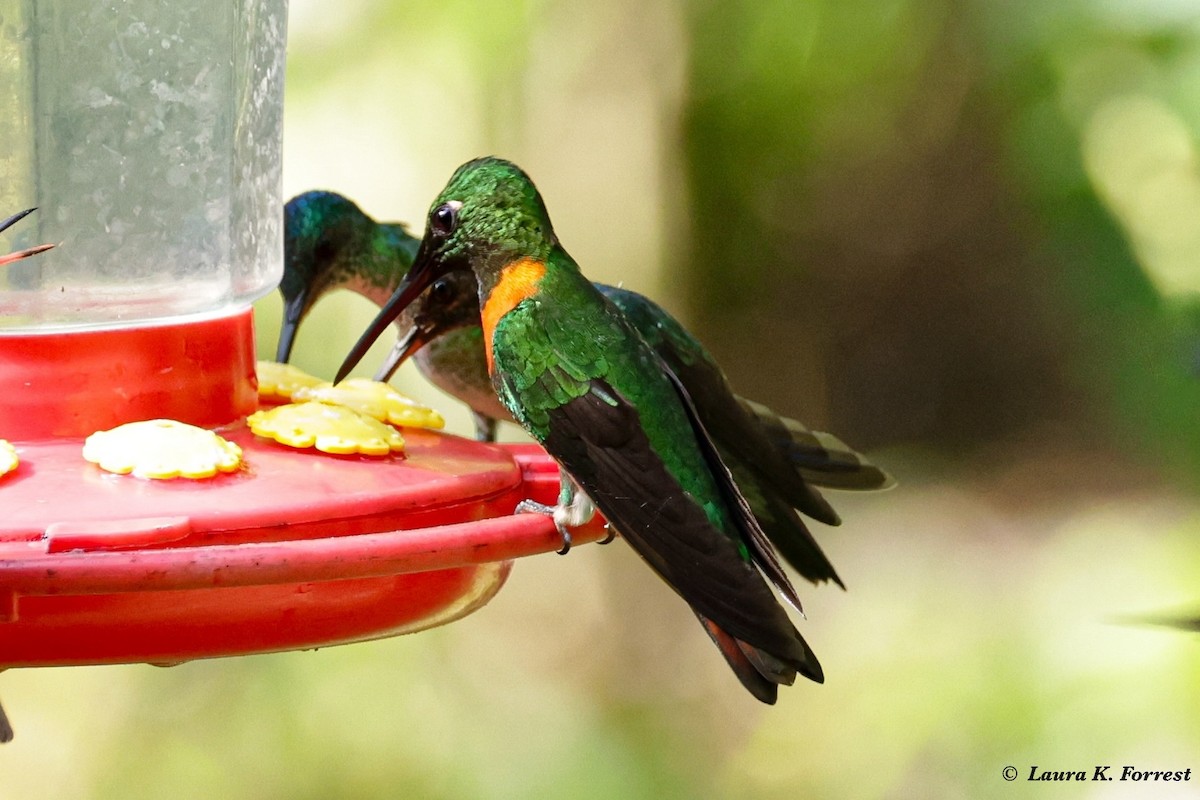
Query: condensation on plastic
x,y
149,136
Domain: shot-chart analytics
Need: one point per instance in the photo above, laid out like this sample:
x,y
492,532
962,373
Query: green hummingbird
x,y
320,260
742,429
574,372
6,730
330,243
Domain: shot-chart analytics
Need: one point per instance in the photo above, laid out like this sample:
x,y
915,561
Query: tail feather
x,y
759,671
763,689
770,667
821,458
787,532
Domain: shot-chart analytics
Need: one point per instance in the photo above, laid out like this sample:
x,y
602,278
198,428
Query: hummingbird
x,y
320,260
330,243
742,429
6,730
628,438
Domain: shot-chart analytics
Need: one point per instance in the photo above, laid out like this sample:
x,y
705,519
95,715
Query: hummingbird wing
x,y
760,467
738,432
731,425
564,358
579,378
783,527
746,519
599,439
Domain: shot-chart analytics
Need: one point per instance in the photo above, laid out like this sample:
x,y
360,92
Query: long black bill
x,y
418,278
413,340
28,251
15,218
293,312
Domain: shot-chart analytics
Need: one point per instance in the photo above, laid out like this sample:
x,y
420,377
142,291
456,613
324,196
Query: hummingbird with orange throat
x,y
630,438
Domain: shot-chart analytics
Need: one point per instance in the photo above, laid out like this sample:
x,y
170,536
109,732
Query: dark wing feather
x,y
730,425
768,520
784,528
598,439
744,517
818,459
737,431
822,459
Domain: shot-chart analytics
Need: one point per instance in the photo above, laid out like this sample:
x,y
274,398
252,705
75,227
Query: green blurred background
x,y
964,236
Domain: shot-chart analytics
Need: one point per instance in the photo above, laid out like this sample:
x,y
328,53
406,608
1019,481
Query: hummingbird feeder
x,y
149,136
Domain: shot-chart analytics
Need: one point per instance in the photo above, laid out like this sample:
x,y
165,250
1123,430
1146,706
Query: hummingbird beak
x,y
28,251
413,340
293,312
424,271
15,218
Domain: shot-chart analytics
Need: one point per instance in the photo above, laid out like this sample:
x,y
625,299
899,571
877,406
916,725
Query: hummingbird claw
x,y
612,534
534,507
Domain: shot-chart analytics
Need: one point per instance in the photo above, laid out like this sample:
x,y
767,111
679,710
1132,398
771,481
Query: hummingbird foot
x,y
612,534
534,507
574,509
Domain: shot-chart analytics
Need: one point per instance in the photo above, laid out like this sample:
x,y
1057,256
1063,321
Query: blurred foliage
x,y
970,212
963,236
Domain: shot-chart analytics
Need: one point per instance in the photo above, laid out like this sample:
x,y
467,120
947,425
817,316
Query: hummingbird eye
x,y
441,292
324,251
444,219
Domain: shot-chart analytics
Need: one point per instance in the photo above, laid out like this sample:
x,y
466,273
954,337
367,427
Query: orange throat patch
x,y
518,281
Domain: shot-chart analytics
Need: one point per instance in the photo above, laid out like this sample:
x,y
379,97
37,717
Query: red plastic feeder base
x,y
297,550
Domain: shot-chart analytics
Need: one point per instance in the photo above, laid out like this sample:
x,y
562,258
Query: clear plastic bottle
x,y
149,136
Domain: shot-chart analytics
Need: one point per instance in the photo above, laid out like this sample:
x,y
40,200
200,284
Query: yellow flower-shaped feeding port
x,y
375,399
280,381
162,449
8,457
328,428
